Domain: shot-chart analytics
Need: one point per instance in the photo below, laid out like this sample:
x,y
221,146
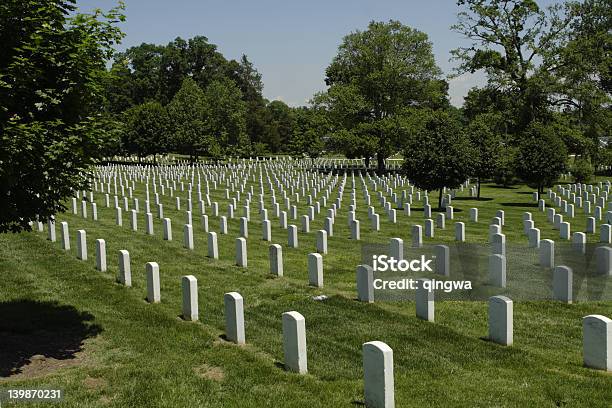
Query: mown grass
x,y
138,354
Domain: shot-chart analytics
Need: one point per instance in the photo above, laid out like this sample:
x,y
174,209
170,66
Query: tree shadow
x,y
502,187
29,328
472,199
530,205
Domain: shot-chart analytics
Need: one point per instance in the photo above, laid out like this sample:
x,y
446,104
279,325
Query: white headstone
x,y
501,320
315,270
213,247
294,342
597,342
234,317
188,236
167,222
442,259
276,260
125,270
65,236
424,299
379,388
190,298
497,270
563,284
365,286
241,252
101,255
153,292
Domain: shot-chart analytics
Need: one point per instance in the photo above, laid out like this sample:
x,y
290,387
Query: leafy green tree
x,y
439,154
582,170
376,73
505,171
565,127
281,116
226,122
487,145
247,79
189,117
109,132
52,65
309,133
137,78
195,58
118,91
584,64
150,72
543,59
541,156
509,37
147,130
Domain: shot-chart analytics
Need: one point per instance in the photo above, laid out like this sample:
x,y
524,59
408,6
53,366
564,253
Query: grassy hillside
x,y
105,346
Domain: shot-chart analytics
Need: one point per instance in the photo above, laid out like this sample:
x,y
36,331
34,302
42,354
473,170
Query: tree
x,y
138,79
194,58
375,74
311,127
565,127
509,37
226,121
150,72
281,116
487,145
545,60
189,114
584,64
582,170
438,155
147,130
541,156
52,65
505,171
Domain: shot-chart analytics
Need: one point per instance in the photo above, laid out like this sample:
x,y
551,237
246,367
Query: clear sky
x,y
290,42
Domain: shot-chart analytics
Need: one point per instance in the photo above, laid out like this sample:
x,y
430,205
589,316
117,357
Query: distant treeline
x,y
186,97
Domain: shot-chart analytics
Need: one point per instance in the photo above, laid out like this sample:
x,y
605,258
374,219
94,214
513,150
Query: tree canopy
x,y
375,75
52,71
439,153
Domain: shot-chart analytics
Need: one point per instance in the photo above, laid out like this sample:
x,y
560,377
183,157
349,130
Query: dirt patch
x,y
38,338
95,384
210,372
40,365
105,399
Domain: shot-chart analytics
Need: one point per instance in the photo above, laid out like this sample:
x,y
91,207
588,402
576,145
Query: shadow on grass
x,y
472,199
530,205
502,187
30,328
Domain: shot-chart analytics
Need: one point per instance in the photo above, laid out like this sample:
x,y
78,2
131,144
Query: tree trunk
x,y
381,163
440,199
540,191
478,188
367,162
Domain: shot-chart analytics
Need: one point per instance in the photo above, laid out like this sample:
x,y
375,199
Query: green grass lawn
x,y
118,350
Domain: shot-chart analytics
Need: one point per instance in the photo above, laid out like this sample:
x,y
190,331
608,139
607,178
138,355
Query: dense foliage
x,y
68,98
439,154
376,74
52,66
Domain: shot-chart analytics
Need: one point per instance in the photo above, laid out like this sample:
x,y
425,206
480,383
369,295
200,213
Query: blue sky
x,y
290,42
